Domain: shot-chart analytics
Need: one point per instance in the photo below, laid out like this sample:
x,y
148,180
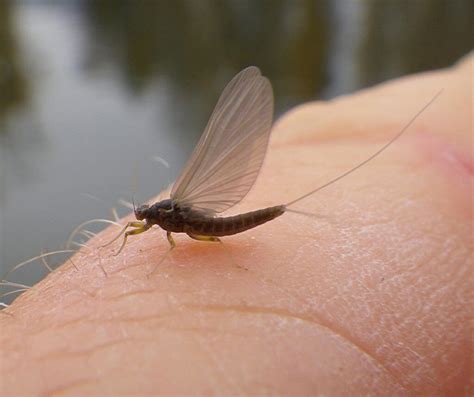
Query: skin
x,y
370,296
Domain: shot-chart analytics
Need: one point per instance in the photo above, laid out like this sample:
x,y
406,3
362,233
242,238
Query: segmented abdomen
x,y
226,226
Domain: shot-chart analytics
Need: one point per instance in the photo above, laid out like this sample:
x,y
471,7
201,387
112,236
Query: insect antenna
x,y
382,149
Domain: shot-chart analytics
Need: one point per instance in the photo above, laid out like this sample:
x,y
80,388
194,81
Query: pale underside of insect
x,y
224,166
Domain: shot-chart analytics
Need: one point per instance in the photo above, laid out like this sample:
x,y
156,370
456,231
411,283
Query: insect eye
x,y
140,212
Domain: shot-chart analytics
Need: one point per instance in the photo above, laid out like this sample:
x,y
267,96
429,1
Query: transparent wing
x,y
229,155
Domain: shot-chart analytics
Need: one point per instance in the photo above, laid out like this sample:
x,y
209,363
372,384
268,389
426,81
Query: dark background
x,y
91,91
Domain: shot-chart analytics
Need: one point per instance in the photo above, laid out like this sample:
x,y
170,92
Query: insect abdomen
x,y
208,226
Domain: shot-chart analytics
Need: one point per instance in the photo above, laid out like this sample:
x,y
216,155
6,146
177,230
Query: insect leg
x,y
143,227
217,240
172,244
205,238
170,239
129,224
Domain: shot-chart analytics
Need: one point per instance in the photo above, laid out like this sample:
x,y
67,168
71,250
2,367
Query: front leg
x,y
141,227
137,224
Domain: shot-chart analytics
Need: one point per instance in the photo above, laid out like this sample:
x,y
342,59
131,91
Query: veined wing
x,y
230,153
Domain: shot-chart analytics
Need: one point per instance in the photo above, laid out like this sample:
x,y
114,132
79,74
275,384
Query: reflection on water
x,y
195,43
409,36
91,90
12,83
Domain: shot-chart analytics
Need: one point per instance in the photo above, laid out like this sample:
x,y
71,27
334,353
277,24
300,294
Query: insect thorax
x,y
166,215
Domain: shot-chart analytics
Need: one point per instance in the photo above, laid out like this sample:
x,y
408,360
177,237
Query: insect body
x,y
197,223
224,166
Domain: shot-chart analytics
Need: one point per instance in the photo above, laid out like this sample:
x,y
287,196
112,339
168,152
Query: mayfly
x,y
223,168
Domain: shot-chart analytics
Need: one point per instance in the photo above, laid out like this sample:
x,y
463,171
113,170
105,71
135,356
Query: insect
x,y
223,168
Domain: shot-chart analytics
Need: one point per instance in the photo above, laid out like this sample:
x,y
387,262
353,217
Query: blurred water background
x,y
92,91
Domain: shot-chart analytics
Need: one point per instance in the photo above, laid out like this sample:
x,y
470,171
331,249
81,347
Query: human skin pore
x,y
372,295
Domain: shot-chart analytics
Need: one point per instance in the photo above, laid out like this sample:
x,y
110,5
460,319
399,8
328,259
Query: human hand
x,y
373,297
